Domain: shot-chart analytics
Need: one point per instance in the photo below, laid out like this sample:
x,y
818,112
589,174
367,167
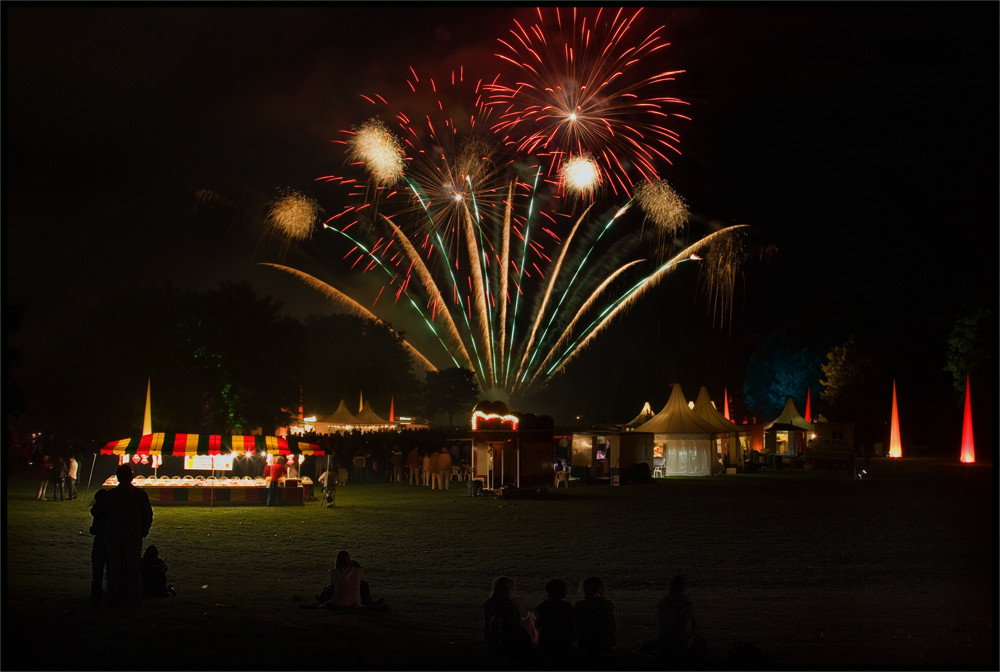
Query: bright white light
x,y
580,174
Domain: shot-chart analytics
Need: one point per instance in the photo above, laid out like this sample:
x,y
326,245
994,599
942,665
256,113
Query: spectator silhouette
x,y
595,619
129,517
154,574
677,642
505,630
348,586
555,622
99,552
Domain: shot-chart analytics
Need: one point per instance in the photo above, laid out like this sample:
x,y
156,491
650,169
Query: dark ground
x,y
820,571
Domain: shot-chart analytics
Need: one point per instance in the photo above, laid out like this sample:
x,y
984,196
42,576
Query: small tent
x,y
645,415
787,434
728,441
682,440
339,421
369,420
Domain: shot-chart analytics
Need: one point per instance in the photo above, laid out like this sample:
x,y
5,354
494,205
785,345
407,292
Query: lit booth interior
x,y
511,449
212,469
615,456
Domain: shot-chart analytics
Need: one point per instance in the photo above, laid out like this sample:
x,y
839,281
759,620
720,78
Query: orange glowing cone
x,y
392,409
968,449
147,418
808,415
725,403
895,447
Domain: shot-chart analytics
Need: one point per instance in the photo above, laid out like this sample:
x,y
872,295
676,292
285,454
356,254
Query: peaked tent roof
x,y
368,417
706,410
789,419
341,416
644,415
678,420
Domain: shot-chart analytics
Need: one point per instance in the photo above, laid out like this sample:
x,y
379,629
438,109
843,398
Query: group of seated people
x,y
557,628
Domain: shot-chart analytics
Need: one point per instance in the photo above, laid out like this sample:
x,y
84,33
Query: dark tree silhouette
x,y
450,391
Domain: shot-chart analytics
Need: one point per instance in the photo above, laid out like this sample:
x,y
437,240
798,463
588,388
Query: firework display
x,y
499,215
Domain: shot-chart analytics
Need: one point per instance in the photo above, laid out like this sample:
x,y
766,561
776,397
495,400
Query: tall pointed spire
x,y
361,401
725,404
968,449
895,447
147,419
808,415
392,409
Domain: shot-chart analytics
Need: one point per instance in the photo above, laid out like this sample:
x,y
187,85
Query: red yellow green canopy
x,y
209,444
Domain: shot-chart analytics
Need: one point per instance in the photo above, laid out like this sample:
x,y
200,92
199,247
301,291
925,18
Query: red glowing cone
x,y
392,409
895,446
968,449
725,403
808,415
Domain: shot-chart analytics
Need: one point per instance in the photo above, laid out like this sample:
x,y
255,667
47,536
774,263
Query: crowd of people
x,y
398,457
557,632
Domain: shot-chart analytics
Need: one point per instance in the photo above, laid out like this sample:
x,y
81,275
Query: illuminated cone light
x,y
968,449
392,409
147,419
895,447
725,403
808,414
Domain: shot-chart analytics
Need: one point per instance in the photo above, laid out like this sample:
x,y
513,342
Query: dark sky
x,y
860,137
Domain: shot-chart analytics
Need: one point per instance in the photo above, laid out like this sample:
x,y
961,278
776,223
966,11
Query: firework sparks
x,y
583,85
471,208
663,206
294,215
580,175
378,149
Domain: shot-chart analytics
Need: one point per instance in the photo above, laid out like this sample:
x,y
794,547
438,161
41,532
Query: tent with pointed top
x,y
644,416
728,441
339,421
788,433
367,418
682,440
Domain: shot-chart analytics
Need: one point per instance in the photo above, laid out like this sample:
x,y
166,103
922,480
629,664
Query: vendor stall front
x,y
510,449
201,469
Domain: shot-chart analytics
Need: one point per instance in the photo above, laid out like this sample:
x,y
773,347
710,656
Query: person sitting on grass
x,y
595,619
556,624
154,574
348,588
506,631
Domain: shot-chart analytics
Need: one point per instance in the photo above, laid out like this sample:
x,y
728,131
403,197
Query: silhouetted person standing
x,y
99,552
129,519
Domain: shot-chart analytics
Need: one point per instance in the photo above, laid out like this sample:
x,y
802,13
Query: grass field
x,y
818,570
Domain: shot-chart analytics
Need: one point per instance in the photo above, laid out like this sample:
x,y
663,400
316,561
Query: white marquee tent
x,y
686,438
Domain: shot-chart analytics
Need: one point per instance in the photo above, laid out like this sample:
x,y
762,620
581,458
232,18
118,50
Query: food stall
x,y
201,469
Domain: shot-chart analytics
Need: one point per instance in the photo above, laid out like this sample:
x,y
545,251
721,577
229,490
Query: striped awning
x,y
209,444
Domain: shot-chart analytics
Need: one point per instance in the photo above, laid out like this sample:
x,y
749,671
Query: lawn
x,y
817,569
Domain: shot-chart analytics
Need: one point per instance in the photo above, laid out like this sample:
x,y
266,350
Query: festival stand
x,y
212,491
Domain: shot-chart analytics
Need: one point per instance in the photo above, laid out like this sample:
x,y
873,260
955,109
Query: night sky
x,y
861,138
